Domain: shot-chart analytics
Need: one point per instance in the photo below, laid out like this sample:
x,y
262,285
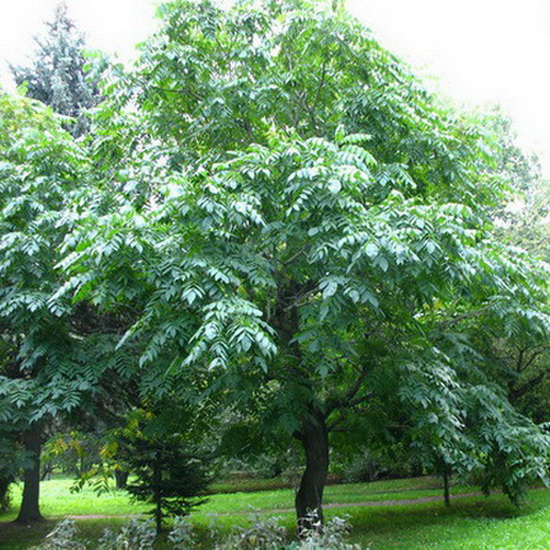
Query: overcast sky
x,y
480,51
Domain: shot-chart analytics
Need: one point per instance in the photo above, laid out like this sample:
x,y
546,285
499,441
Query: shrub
x,y
268,534
264,533
63,537
136,535
166,469
181,536
331,536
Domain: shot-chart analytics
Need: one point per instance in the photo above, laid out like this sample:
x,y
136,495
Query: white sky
x,y
480,51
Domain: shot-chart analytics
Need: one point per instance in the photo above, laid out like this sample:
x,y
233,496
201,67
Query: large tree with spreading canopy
x,y
300,230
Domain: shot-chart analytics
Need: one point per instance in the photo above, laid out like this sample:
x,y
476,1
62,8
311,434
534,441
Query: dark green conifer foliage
x,y
57,75
165,470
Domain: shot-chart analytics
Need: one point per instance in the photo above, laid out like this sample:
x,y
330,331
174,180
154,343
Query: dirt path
x,y
397,502
364,503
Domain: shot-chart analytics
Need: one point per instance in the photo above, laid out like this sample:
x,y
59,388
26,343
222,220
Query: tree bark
x,y
121,479
30,505
157,481
4,487
446,492
309,498
313,432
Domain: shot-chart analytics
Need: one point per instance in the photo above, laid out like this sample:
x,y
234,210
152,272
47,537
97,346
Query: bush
x,y
268,534
63,537
136,535
181,536
331,536
362,468
263,533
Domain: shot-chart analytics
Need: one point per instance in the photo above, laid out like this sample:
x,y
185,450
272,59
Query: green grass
x,y
472,522
248,484
57,499
254,484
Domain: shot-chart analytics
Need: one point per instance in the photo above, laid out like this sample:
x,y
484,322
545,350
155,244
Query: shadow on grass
x,y
476,523
411,516
14,536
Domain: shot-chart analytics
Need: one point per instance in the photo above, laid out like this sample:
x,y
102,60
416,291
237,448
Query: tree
x,y
54,353
38,166
57,76
169,473
522,221
11,458
313,237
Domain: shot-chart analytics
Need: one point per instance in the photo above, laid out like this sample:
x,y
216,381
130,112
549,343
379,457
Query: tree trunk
x,y
446,493
157,480
309,498
47,473
313,432
4,487
30,506
121,479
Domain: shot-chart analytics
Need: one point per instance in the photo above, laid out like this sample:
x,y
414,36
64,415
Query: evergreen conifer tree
x,y
56,75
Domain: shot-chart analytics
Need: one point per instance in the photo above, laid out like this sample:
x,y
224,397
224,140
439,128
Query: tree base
x,y
30,520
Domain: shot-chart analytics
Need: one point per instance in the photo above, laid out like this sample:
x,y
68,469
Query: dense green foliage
x,y
55,353
43,368
316,238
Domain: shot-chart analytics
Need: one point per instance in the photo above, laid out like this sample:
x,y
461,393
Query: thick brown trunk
x,y
313,433
309,498
30,506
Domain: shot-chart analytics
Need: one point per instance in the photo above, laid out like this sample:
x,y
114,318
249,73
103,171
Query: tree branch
x,y
348,399
464,316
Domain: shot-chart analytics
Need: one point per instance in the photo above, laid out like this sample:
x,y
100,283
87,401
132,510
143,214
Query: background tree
x,y
55,354
168,468
291,227
522,221
57,76
11,460
38,168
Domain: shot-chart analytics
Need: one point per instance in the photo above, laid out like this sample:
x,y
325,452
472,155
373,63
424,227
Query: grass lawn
x,y
472,522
